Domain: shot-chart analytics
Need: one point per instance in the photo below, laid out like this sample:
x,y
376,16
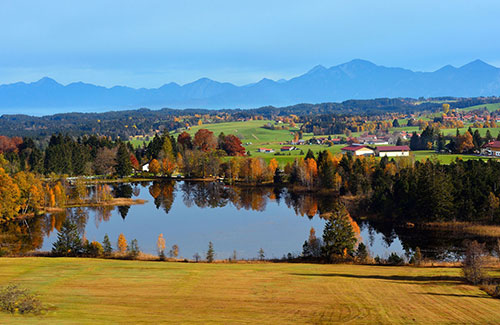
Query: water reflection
x,y
236,218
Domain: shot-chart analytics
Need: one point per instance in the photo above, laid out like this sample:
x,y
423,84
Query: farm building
x,y
287,148
266,150
491,148
393,151
358,150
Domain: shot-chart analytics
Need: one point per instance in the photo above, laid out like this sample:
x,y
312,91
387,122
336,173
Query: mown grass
x,y
91,291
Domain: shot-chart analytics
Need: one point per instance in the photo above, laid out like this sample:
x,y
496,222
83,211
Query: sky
x,y
149,43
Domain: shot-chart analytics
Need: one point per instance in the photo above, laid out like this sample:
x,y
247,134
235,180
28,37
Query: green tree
x,y
106,245
362,253
338,235
68,241
133,249
123,164
210,253
261,254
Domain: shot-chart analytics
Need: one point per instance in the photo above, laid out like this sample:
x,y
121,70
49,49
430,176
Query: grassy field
x,y
490,107
95,291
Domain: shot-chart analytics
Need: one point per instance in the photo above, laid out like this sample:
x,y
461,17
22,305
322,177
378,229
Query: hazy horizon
x,y
150,43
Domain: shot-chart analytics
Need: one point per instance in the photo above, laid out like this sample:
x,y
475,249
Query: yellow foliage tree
x,y
154,166
122,243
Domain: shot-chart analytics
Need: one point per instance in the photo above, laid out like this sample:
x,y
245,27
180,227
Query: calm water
x,y
191,214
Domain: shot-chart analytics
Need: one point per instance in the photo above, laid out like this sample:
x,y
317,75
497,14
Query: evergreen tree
x,y
210,253
261,254
338,235
68,241
133,248
489,137
309,154
399,142
395,123
106,245
123,165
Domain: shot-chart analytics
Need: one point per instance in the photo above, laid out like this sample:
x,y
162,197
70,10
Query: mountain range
x,y
357,79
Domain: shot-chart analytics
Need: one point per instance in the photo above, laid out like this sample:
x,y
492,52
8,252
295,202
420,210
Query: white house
x,y
393,151
145,168
358,150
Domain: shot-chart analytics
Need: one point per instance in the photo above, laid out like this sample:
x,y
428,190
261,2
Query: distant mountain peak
x,y
318,68
46,81
477,64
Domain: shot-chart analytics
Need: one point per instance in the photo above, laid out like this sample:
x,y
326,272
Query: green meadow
x,y
96,291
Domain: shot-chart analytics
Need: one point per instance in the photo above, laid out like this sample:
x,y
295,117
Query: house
x,y
393,151
266,150
358,150
287,148
145,168
491,148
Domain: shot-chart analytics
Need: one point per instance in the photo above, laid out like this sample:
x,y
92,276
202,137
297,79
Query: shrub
x,y
93,249
473,263
15,299
395,259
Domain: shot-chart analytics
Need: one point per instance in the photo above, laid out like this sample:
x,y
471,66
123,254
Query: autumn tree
x,y
154,167
105,161
204,140
160,246
232,146
312,246
122,244
9,197
174,251
184,141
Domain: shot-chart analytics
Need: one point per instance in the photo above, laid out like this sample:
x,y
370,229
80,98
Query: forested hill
x,y
357,79
146,121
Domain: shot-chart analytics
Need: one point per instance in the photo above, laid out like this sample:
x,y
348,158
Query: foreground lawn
x,y
111,291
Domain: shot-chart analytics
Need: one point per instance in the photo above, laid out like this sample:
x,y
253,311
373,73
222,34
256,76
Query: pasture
x,y
92,291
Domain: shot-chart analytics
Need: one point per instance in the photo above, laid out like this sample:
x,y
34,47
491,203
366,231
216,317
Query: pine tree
x,y
338,235
68,241
210,253
123,163
134,249
106,244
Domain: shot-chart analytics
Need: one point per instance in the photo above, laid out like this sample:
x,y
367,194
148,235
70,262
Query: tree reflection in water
x,y
18,237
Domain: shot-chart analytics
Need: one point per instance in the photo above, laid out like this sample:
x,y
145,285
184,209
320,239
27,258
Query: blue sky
x,y
149,43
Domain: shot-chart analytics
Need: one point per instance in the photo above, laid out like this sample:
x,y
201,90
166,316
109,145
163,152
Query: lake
x,y
241,219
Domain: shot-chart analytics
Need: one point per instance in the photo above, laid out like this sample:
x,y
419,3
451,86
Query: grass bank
x,y
113,291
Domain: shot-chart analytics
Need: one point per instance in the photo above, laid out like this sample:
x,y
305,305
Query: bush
x,y
15,299
473,263
395,259
492,289
93,249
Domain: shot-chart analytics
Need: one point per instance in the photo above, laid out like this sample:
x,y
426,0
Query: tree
x,y
174,252
134,249
106,245
362,253
417,257
196,257
261,254
160,246
232,146
184,141
204,140
395,123
473,263
210,253
338,235
312,246
123,165
10,196
105,161
154,167
446,108
68,241
122,244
